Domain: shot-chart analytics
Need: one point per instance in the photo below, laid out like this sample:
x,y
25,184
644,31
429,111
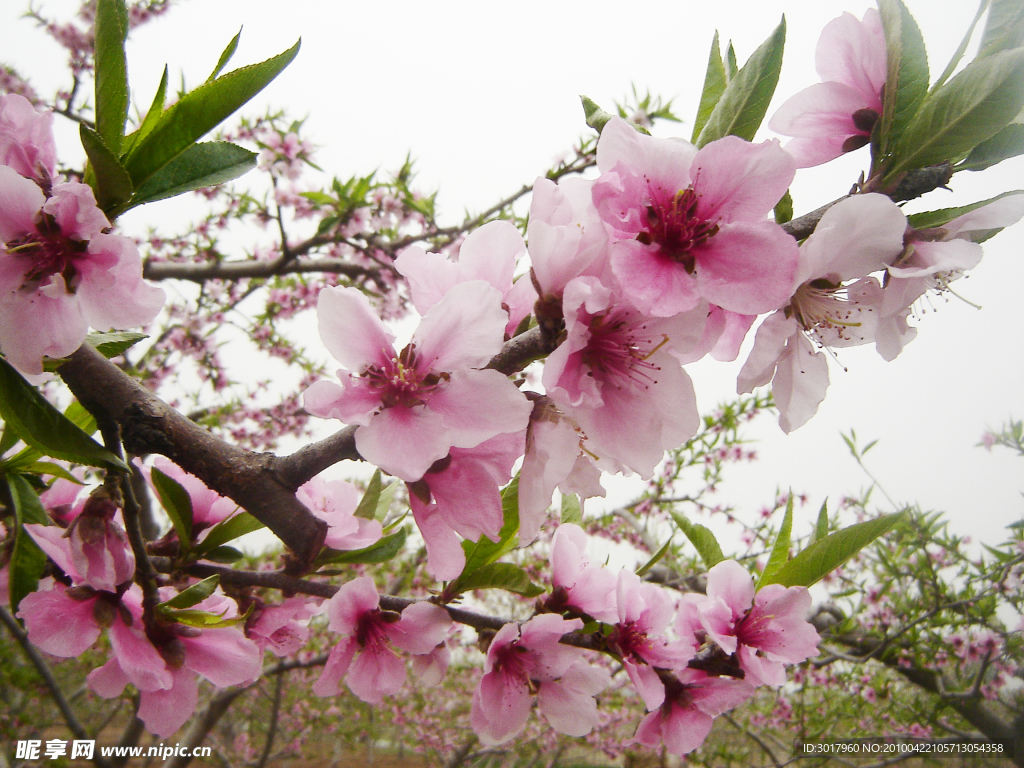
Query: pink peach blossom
x,y
26,138
335,502
690,224
413,406
579,583
838,115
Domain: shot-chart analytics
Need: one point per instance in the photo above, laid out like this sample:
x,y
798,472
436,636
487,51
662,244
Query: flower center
x,y
49,252
619,351
400,382
630,641
822,304
675,227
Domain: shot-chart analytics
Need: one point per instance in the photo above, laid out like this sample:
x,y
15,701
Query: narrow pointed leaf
x,y
702,539
176,503
381,552
1008,143
731,67
823,557
225,57
906,81
596,117
43,427
27,560
928,219
199,166
962,48
971,108
367,508
8,439
113,343
156,109
108,178
714,86
111,72
784,209
192,595
655,558
1004,28
744,102
227,530
198,113
190,617
507,576
821,527
780,549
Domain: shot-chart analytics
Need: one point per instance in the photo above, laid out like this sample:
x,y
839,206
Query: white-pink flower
x,y
335,502
282,629
765,630
26,138
490,253
528,658
208,506
834,303
364,656
578,582
692,701
690,225
837,115
60,273
413,406
615,376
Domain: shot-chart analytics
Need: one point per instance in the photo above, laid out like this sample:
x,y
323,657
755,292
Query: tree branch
x,y
237,270
148,425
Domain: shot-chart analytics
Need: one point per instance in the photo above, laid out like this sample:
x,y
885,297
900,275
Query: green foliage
x,y
1004,28
176,503
110,181
928,219
507,576
821,558
714,86
484,552
44,428
702,539
596,117
572,510
377,500
27,560
784,209
655,558
384,550
111,74
201,165
191,595
743,103
1009,142
780,550
226,530
906,83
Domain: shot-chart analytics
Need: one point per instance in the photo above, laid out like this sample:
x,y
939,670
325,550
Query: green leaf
x,y
176,503
49,468
367,508
929,219
111,72
971,108
655,558
107,177
224,555
227,530
192,595
906,83
1008,143
507,576
780,549
156,109
381,552
1004,28
225,57
714,86
199,166
596,117
203,619
27,559
823,557
485,551
572,510
80,417
198,113
821,527
43,427
784,209
962,48
114,343
744,102
702,539
731,68
8,439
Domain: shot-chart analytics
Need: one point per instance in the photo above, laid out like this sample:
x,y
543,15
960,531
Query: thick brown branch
x,y
148,425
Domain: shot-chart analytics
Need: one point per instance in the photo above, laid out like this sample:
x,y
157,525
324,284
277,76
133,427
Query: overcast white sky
x,y
485,95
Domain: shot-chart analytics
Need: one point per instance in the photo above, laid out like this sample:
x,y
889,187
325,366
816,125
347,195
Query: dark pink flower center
x,y
753,629
675,227
619,351
49,252
513,660
400,381
630,641
371,628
